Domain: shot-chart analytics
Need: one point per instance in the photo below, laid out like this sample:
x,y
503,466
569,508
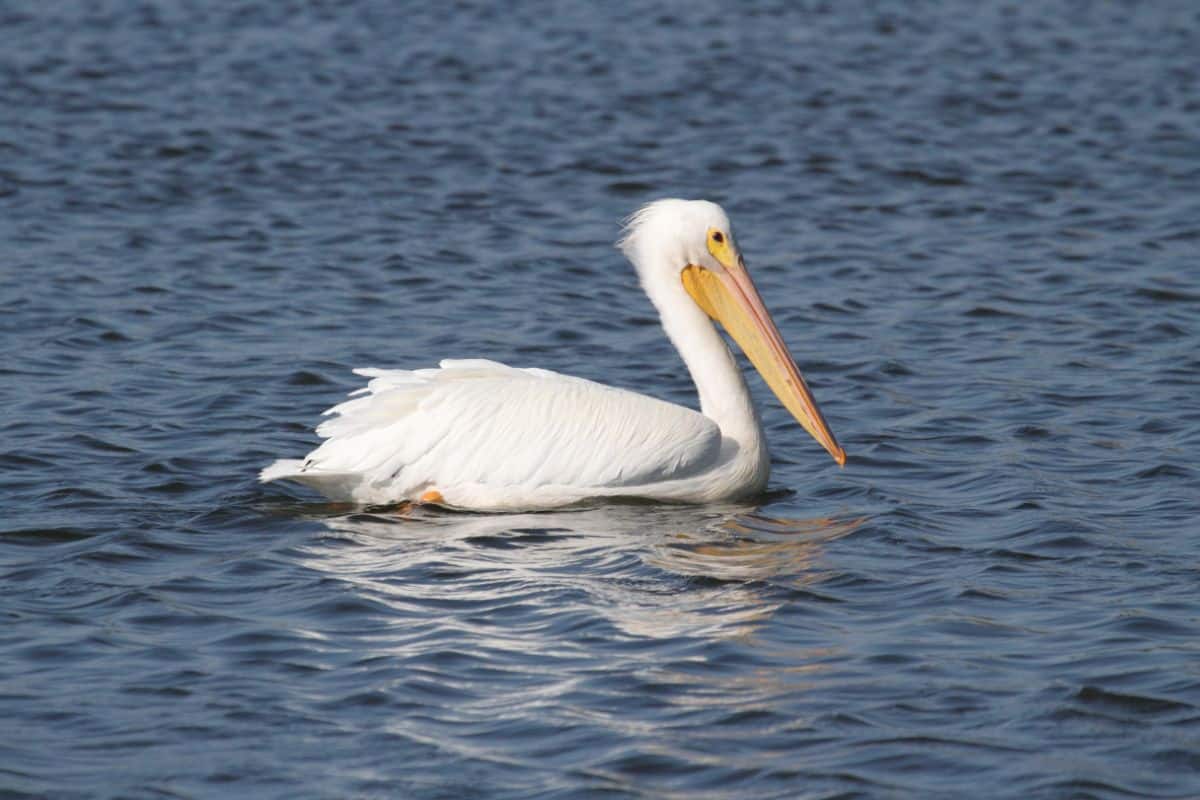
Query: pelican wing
x,y
483,434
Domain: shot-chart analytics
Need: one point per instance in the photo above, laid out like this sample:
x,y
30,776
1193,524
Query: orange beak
x,y
730,298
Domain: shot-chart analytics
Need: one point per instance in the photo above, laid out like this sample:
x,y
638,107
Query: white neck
x,y
724,397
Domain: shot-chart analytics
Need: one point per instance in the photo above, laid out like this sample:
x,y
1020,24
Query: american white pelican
x,y
480,435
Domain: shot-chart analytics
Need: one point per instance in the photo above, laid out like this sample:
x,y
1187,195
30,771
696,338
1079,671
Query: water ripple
x,y
976,229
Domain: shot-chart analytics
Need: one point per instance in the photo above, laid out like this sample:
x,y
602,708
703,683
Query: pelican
x,y
480,435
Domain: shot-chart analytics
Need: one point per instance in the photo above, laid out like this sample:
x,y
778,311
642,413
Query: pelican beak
x,y
730,298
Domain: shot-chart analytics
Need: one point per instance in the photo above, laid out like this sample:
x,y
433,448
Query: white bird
x,y
480,435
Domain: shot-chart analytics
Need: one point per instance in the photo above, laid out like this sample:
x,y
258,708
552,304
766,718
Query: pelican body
x,y
476,434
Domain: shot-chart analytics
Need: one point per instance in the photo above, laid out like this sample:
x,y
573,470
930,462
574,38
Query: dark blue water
x,y
978,225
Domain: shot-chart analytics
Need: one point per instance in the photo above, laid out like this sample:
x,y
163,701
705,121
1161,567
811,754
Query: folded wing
x,y
479,425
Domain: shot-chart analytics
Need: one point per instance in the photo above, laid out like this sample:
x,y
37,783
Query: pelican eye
x,y
718,237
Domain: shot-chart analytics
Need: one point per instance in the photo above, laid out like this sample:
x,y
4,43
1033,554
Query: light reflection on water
x,y
538,632
723,552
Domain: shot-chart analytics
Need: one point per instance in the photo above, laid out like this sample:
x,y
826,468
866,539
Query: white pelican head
x,y
690,244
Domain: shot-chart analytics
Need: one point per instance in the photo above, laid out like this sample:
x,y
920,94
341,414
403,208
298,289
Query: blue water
x,y
977,225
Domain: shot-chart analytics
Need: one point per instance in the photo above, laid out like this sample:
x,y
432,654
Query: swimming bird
x,y
480,435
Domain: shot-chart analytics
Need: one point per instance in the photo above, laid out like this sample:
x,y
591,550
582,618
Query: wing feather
x,y
482,423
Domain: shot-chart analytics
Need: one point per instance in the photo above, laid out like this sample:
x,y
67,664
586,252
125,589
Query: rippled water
x,y
977,225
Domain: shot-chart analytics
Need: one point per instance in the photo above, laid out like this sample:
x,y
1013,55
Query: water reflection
x,y
753,547
650,571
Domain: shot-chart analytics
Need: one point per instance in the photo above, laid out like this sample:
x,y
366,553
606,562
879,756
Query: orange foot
x,y
432,496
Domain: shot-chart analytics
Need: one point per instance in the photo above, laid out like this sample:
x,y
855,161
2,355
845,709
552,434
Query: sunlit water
x,y
977,225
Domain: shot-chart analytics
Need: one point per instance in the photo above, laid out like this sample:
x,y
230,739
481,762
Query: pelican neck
x,y
724,396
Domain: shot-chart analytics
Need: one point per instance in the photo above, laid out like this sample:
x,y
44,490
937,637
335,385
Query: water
x,y
977,227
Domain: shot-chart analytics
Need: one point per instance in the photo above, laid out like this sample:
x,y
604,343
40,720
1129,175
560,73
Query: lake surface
x,y
977,225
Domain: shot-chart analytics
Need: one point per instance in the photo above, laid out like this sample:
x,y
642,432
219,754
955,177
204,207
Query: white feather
x,y
484,434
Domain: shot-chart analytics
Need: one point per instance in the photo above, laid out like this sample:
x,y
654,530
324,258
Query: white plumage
x,y
480,435
516,438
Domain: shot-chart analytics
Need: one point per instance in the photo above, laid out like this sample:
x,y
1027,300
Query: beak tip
x,y
839,456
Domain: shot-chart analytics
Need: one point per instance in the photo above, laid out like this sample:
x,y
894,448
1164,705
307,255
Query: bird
x,y
478,435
